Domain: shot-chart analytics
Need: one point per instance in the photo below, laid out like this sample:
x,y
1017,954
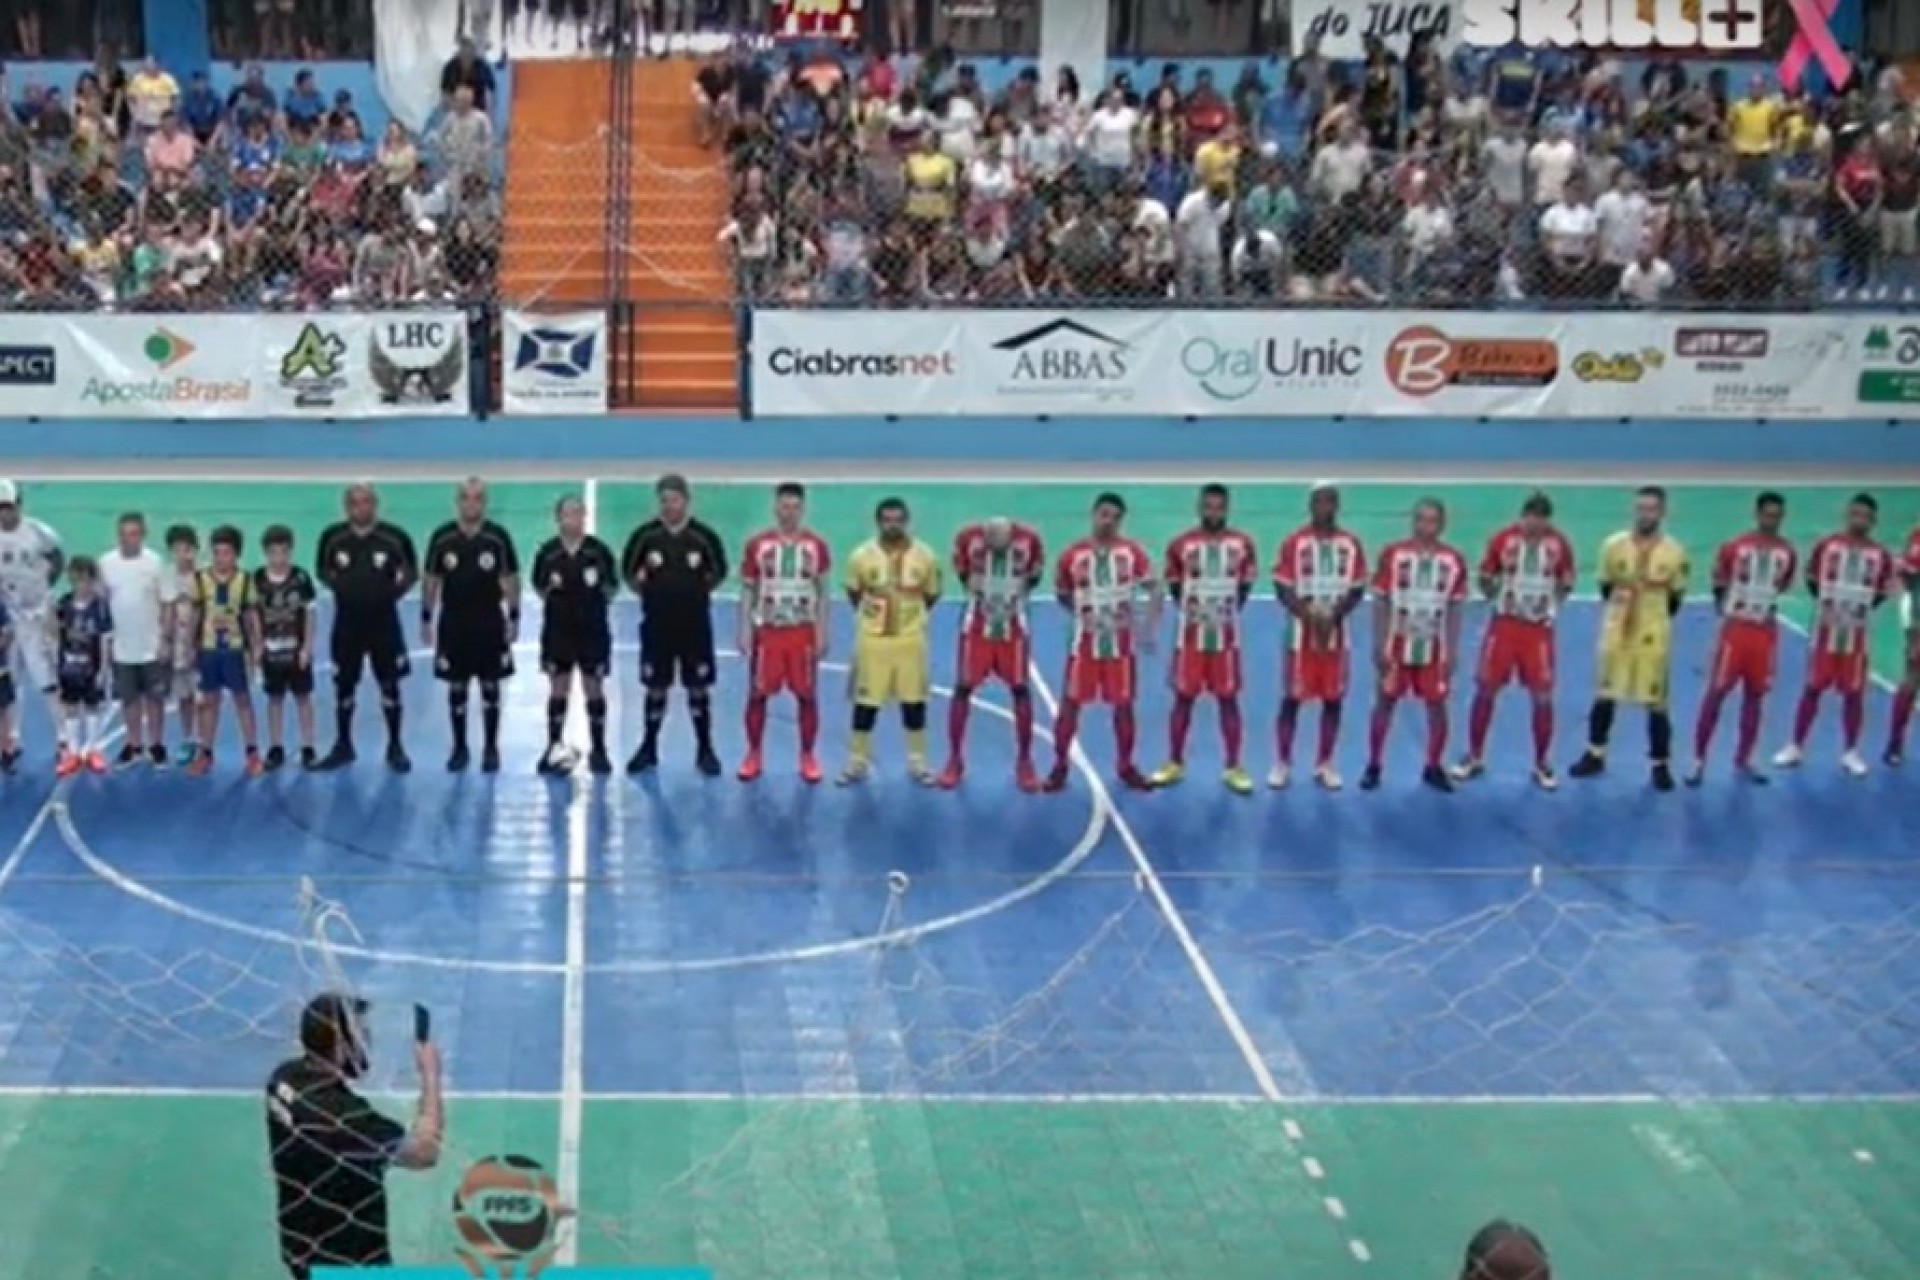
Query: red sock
x,y
1479,720
809,724
1707,721
1751,708
1329,732
1065,726
1179,724
1023,725
1437,723
1803,716
1853,717
1230,731
1123,733
958,708
1543,732
756,722
1283,732
1377,726
1902,717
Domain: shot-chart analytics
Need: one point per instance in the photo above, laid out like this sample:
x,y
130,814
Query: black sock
x,y
597,723
390,709
556,720
457,713
656,716
490,713
1659,736
343,720
1600,724
700,706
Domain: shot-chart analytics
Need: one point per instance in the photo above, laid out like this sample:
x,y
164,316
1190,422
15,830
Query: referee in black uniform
x,y
369,565
471,579
674,562
577,579
330,1150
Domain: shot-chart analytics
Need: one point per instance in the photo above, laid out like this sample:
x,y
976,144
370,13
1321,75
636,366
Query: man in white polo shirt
x,y
31,561
142,593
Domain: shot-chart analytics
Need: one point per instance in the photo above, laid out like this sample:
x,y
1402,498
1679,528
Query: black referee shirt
x,y
575,585
469,564
330,1150
674,570
368,570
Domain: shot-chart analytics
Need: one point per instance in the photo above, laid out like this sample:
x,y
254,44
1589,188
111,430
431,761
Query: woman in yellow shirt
x,y
932,183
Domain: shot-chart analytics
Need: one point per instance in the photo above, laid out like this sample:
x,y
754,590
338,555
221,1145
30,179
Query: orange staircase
x,y
554,241
686,345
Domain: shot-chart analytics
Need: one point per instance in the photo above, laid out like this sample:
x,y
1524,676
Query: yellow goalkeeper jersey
x,y
893,588
1643,577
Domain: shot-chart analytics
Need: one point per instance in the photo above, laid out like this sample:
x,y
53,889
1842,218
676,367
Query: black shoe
x,y
129,756
456,762
600,762
397,758
340,757
276,758
645,760
1436,777
707,763
10,761
1893,758
1590,765
1370,778
307,757
490,759
157,756
1662,778
1754,777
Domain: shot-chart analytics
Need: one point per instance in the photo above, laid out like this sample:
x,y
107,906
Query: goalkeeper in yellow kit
x,y
892,580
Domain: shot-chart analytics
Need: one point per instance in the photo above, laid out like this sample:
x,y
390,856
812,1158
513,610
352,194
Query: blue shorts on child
x,y
223,671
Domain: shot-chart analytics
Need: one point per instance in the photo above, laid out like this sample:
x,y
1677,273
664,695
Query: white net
x,y
953,1083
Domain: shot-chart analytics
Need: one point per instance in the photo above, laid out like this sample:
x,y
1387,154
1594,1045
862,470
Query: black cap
x,y
327,1025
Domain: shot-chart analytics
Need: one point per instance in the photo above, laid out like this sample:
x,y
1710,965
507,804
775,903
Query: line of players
x,y
224,623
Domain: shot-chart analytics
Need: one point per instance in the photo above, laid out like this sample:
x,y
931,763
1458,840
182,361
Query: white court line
x,y
1149,881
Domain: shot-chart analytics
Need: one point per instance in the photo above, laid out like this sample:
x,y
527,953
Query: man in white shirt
x,y
1199,242
1043,150
1647,279
1622,214
141,593
1107,139
1569,241
1341,168
1503,157
1551,164
31,561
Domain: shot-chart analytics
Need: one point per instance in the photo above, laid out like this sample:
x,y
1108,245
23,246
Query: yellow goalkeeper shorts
x,y
889,671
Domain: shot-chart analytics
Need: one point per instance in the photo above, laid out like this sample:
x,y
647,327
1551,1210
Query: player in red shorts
x,y
1000,562
1320,575
1527,572
1106,582
783,624
1903,697
1209,575
1419,585
1750,575
1850,575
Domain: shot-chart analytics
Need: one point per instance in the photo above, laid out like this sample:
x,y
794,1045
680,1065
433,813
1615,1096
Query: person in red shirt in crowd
x,y
1528,573
783,624
1850,575
1856,190
1106,582
1419,584
1751,572
1320,575
998,562
1209,575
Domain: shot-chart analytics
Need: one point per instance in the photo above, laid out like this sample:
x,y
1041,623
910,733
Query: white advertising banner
x,y
1285,364
553,363
272,365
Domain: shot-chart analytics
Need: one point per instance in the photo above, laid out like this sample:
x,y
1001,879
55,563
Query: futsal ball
x,y
506,1208
562,758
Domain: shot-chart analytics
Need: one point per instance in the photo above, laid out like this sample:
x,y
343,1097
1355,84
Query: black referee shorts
x,y
472,648
359,643
570,645
677,650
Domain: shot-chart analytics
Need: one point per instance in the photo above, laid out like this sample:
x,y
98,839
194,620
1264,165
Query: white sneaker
x,y
1789,756
1279,776
1467,770
1852,765
1328,777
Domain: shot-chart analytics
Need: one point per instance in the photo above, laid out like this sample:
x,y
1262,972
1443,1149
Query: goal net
x,y
922,1066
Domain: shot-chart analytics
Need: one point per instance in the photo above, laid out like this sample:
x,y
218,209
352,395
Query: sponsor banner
x,y
175,365
1336,364
1340,29
553,364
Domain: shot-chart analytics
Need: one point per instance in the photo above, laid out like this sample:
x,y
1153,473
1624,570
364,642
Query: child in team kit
x,y
284,596
228,630
183,644
83,654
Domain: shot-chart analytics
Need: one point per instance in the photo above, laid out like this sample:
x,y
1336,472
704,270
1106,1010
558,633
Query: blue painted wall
x,y
921,440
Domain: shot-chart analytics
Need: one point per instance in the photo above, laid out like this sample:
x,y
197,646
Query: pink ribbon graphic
x,y
1814,41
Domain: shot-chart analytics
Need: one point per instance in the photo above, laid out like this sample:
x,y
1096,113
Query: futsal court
x,y
888,1032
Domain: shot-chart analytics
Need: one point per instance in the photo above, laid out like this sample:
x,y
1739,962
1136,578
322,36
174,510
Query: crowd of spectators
x,y
309,30
131,190
1470,178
